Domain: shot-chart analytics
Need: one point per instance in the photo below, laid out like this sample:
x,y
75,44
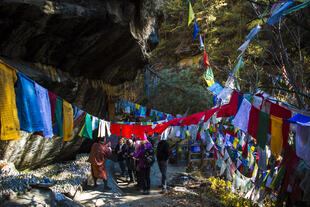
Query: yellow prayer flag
x,y
67,121
10,129
80,133
191,15
187,133
236,141
276,135
137,106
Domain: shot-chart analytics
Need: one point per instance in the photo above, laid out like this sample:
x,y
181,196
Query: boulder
x,y
79,50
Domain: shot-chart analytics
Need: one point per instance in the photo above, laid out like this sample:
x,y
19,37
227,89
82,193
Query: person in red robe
x,y
98,154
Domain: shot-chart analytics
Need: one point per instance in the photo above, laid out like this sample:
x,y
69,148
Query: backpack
x,y
149,157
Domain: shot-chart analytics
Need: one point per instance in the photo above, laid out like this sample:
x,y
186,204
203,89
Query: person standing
x,y
162,155
143,154
130,160
98,154
120,149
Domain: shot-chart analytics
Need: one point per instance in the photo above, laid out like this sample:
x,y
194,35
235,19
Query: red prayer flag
x,y
279,111
193,119
139,130
210,113
229,109
127,131
116,129
206,59
253,121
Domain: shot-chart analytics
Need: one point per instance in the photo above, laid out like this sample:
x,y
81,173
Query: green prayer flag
x,y
58,113
191,14
87,131
262,130
209,77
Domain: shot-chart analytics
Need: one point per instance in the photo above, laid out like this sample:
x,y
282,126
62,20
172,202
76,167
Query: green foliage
x,y
221,190
224,25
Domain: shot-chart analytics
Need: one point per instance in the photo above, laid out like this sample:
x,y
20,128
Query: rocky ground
x,y
69,184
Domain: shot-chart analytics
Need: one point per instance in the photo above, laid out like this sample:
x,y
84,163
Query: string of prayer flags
x,y
277,11
239,65
191,14
10,128
296,8
195,31
249,37
284,74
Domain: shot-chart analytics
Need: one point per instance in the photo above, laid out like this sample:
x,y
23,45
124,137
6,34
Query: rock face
x,y
77,49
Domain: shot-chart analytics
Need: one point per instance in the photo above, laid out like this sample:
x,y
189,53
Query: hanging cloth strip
x,y
127,131
27,105
229,109
303,142
10,129
279,111
52,98
116,129
276,142
241,119
67,121
45,110
58,114
87,129
262,131
104,128
253,121
277,11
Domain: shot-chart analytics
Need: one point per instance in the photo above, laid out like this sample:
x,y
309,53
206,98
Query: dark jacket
x,y
162,151
121,155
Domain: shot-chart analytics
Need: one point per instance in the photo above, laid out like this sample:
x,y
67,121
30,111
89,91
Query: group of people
x,y
135,159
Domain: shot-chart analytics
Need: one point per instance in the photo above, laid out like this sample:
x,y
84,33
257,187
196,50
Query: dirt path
x,y
122,193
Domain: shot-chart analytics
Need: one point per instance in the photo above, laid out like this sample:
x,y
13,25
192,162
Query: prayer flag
x,y
58,113
27,105
277,11
87,130
191,14
10,129
201,42
262,131
67,121
196,30
276,135
45,110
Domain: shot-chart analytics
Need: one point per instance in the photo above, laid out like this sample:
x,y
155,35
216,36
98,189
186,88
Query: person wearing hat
x,y
145,169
